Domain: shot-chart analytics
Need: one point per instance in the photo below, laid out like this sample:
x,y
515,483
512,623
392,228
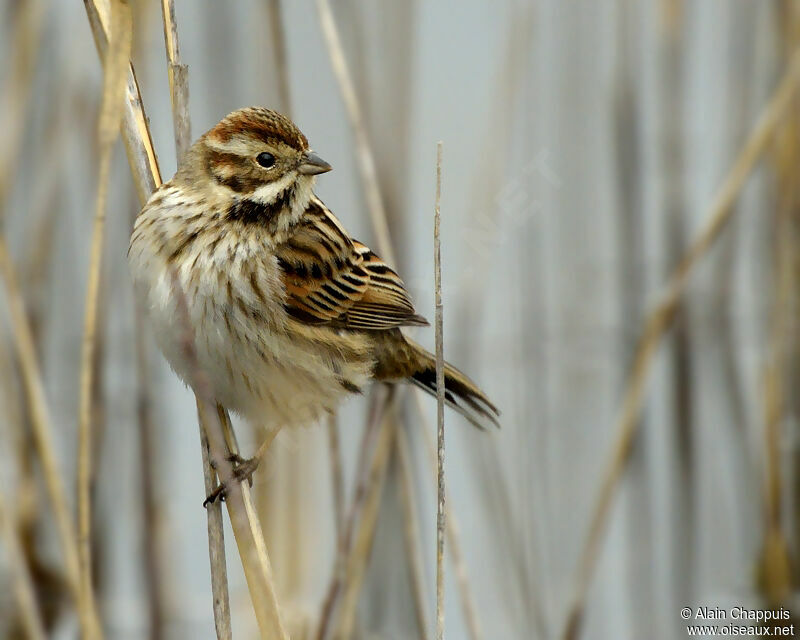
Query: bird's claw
x,y
243,469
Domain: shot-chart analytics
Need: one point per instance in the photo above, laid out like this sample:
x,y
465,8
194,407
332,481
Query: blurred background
x,y
583,145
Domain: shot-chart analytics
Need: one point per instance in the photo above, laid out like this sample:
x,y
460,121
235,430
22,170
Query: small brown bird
x,y
290,314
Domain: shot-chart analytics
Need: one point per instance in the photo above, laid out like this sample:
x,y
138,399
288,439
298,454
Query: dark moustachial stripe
x,y
251,212
232,182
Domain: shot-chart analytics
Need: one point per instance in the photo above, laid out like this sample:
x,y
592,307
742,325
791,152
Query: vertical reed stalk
x,y
660,319
244,522
22,582
411,531
440,517
181,122
117,55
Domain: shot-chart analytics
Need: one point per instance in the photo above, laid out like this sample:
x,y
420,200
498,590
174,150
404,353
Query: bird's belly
x,y
274,378
259,363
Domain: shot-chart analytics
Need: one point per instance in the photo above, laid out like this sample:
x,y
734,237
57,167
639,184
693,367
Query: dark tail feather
x,y
460,393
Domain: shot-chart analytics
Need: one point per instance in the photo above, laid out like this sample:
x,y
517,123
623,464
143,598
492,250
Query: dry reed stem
x,y
216,542
659,321
22,582
281,59
178,82
380,405
117,55
364,155
40,420
157,574
247,530
775,563
453,535
25,43
135,130
411,531
284,533
245,525
179,99
337,474
26,46
365,533
155,577
250,539
439,325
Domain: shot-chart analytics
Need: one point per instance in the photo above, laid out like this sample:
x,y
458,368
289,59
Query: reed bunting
x,y
290,314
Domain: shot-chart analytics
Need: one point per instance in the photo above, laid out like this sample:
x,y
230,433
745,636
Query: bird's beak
x,y
312,164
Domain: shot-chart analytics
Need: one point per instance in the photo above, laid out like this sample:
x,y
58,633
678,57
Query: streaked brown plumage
x,y
290,313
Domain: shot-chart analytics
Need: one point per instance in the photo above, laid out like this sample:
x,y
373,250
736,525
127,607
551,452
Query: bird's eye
x,y
266,160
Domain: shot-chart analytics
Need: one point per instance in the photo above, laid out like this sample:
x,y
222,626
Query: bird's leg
x,y
243,469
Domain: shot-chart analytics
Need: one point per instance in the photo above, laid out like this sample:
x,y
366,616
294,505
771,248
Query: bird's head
x,y
260,157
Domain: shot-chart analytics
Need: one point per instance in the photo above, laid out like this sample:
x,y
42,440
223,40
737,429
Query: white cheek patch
x,y
267,193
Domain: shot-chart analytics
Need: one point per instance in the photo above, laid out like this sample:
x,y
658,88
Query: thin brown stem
x,y
135,130
365,532
242,513
40,420
151,516
281,59
660,320
117,55
438,323
216,542
247,531
453,533
26,35
380,405
364,155
178,82
411,530
337,473
179,98
26,45
22,582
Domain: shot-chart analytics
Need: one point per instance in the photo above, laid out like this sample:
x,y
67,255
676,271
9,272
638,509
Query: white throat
x,y
303,191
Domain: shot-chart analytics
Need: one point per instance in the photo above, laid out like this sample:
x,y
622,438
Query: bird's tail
x,y
461,393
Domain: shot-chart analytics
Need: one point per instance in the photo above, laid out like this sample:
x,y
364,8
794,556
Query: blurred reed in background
x,y
620,272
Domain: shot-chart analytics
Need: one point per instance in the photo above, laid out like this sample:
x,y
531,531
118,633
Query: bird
x,y
289,314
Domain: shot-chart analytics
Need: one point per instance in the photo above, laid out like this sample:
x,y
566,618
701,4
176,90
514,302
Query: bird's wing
x,y
331,279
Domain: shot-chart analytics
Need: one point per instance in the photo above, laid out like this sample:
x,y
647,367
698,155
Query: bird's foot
x,y
243,469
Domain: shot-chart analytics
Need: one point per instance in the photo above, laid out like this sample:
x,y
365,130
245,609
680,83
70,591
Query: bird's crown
x,y
262,124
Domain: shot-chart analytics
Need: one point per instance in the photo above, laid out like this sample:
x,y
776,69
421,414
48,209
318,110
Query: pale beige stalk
x,y
411,529
144,167
438,322
660,319
179,96
117,55
22,582
364,534
364,155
